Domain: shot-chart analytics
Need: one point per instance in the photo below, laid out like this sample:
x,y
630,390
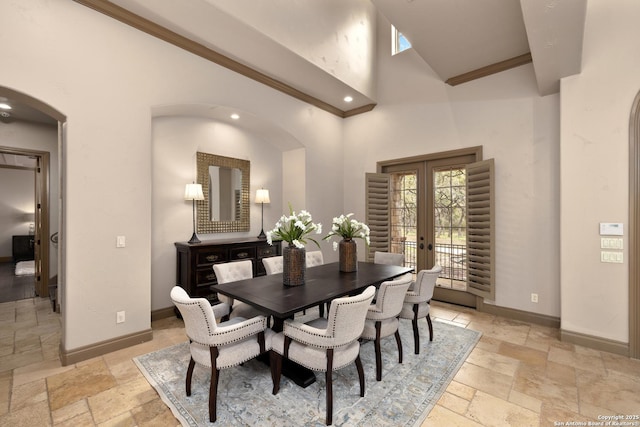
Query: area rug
x,y
404,397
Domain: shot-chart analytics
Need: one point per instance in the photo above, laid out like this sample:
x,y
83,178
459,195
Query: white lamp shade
x,y
193,192
262,196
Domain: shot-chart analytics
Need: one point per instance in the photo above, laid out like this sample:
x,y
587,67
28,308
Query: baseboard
x,y
6,259
597,343
98,349
163,313
521,315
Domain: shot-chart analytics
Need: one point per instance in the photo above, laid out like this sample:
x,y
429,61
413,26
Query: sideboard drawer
x,y
267,251
211,256
246,252
206,276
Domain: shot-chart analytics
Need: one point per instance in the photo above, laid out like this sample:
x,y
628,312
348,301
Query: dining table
x,y
323,283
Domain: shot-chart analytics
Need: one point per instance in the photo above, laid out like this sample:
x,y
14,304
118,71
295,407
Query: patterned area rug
x,y
404,397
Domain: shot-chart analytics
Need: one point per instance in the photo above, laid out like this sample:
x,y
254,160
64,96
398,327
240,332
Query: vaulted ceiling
x,y
460,40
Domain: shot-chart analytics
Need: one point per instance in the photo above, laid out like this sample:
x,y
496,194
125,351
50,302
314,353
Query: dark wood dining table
x,y
323,283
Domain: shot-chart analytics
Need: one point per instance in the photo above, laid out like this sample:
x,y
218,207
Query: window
x,y
399,42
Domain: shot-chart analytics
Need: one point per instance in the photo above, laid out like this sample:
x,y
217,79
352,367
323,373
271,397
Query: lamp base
x,y
262,235
194,238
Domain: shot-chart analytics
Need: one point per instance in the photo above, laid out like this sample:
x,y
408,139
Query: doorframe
x,y
453,296
634,229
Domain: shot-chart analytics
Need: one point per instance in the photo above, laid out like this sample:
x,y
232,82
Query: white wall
x,y
418,114
107,78
175,143
595,110
37,137
337,36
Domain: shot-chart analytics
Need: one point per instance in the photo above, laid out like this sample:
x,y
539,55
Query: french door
x,y
428,217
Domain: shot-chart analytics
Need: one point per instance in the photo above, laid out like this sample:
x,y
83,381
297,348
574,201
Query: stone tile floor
x,y
519,374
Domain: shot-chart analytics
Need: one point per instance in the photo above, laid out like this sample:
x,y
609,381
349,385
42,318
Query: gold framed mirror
x,y
225,185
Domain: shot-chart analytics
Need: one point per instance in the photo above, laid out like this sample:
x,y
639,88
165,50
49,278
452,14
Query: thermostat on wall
x,y
611,229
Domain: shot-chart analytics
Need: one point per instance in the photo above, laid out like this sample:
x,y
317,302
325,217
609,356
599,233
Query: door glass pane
x,y
450,227
404,215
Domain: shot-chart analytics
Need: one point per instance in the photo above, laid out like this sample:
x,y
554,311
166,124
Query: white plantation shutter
x,y
378,212
480,229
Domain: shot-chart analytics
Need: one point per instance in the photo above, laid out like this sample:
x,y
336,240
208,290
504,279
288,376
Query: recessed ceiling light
x,y
348,98
235,116
5,106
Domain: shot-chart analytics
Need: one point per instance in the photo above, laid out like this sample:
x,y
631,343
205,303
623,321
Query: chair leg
x,y
378,352
213,387
329,381
192,364
416,336
360,374
399,342
430,328
275,360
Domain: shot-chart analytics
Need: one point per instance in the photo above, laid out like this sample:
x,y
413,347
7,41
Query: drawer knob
x,y
211,276
212,257
243,254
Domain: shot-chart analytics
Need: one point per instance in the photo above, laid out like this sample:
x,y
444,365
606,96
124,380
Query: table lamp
x,y
262,197
193,192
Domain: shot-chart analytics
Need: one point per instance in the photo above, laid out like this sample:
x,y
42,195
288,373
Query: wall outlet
x,y
534,297
120,317
121,241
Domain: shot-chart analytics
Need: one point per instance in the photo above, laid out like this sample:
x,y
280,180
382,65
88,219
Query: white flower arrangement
x,y
295,229
348,228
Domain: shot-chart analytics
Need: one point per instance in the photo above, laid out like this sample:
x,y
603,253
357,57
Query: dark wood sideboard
x,y
194,268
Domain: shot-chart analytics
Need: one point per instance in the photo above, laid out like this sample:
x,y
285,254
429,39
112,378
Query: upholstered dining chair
x,y
218,346
314,258
325,345
388,258
272,265
231,272
416,302
382,316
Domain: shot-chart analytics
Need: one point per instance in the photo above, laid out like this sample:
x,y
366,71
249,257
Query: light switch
x,y
120,242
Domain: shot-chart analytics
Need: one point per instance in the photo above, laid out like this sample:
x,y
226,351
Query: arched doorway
x,y
32,119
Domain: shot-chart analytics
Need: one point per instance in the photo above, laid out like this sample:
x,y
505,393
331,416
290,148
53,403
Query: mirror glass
x,y
225,185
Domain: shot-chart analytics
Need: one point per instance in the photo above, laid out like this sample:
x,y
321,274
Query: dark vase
x,y
348,255
294,265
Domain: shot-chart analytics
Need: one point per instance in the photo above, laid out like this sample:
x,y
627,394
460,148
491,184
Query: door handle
x,y
430,247
421,246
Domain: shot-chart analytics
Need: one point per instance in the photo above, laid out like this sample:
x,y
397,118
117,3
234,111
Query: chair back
x,y
390,297
314,258
388,258
345,321
273,265
426,282
199,320
232,272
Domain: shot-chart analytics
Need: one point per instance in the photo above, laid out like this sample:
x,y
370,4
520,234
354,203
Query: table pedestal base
x,y
300,375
